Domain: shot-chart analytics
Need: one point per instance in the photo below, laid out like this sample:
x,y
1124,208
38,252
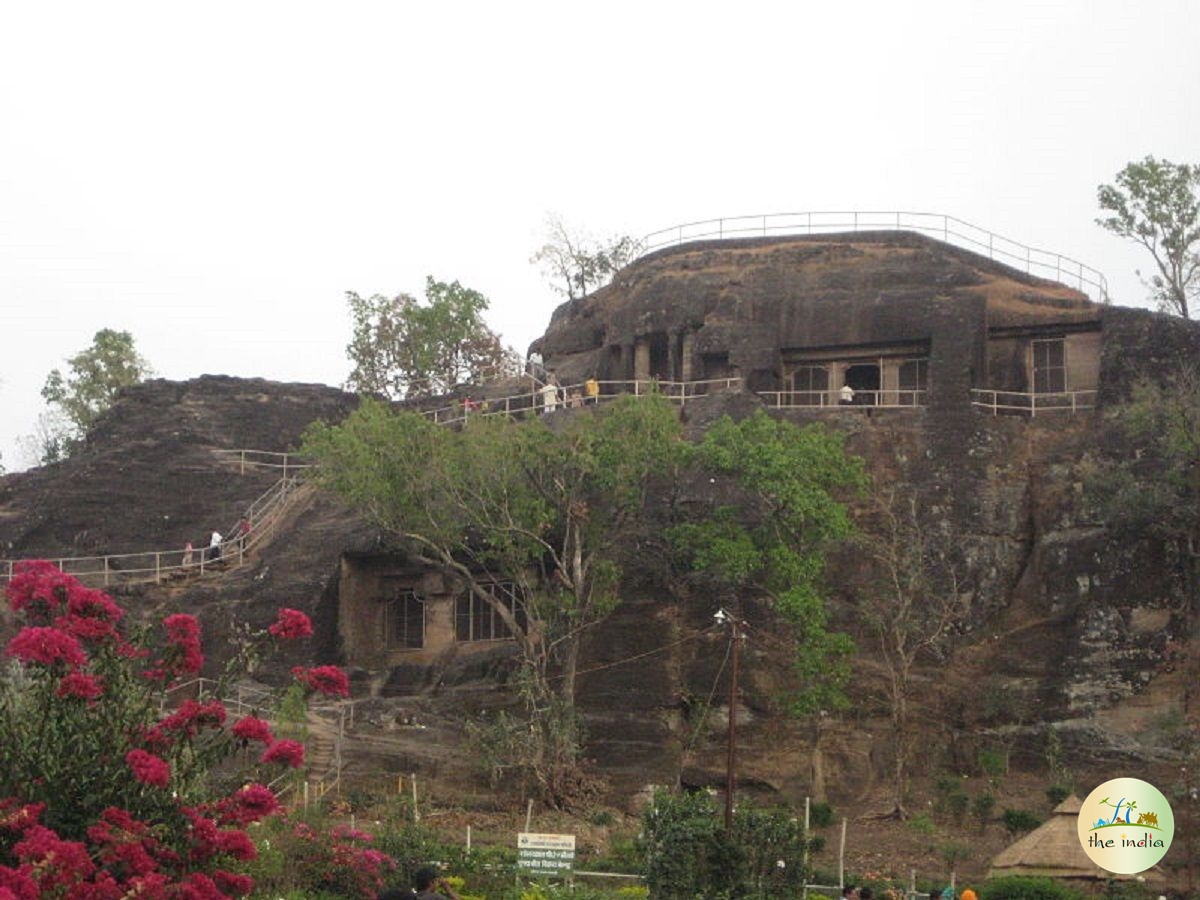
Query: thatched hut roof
x,y
1053,850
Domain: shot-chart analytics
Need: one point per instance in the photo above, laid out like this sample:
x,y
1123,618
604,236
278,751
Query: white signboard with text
x,y
545,854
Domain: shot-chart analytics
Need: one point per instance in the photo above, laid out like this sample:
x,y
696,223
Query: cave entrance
x,y
660,356
864,379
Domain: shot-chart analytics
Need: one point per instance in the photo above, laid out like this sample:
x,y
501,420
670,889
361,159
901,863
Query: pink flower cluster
x,y
291,624
328,680
72,645
123,857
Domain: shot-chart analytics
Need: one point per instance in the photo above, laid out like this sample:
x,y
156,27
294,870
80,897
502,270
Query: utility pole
x,y
735,638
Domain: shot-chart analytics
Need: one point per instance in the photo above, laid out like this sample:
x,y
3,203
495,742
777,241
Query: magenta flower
x,y
148,768
78,684
328,680
46,646
250,804
250,728
290,753
291,624
183,634
192,716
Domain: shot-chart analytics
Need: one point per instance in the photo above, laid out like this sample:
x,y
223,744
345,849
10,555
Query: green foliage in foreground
x,y
1022,888
688,854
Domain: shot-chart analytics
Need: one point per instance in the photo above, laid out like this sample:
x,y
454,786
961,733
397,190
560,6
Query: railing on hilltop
x,y
263,515
1018,403
287,463
266,512
890,398
951,230
575,395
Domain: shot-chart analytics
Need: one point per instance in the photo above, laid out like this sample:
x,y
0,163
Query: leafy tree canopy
x,y
93,378
1156,203
402,348
576,264
500,501
772,539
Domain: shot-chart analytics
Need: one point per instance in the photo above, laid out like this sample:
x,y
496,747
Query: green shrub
x,y
1020,820
1057,793
921,823
1016,887
992,763
982,806
820,815
687,853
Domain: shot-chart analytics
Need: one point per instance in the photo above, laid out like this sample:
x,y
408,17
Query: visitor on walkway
x,y
214,546
591,388
847,395
549,396
188,550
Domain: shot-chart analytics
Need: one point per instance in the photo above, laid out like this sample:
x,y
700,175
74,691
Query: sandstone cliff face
x,y
1067,624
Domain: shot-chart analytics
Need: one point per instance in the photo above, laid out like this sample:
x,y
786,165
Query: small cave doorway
x,y
864,378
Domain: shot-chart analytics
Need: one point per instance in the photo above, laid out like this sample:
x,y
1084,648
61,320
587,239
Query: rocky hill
x,y
1067,627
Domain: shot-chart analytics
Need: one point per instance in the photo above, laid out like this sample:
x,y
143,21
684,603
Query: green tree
x,y
89,387
1156,203
771,538
547,510
402,348
576,264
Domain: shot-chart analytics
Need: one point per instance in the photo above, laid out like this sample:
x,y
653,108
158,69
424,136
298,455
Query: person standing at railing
x,y
591,389
243,528
188,550
846,395
214,546
550,395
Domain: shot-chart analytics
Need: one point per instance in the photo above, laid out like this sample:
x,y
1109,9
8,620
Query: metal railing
x,y
288,463
266,512
1017,403
951,230
264,515
576,395
891,398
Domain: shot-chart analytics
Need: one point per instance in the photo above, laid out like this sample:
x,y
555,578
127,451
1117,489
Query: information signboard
x,y
545,854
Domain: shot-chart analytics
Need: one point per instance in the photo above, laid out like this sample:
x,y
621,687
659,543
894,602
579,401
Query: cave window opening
x,y
659,356
913,381
404,622
810,386
864,379
1049,366
475,619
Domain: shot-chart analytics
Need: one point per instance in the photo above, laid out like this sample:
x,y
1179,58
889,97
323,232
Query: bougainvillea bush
x,y
105,787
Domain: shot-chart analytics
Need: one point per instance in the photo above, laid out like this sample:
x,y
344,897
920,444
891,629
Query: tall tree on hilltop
x,y
94,377
576,264
403,349
504,502
1156,203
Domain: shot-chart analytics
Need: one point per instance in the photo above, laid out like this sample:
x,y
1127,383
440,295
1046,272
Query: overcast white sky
x,y
213,177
